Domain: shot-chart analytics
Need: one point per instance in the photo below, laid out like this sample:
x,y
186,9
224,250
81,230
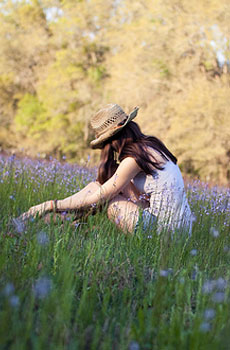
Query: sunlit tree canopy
x,y
61,60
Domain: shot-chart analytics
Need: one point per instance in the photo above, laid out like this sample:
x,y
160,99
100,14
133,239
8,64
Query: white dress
x,y
168,201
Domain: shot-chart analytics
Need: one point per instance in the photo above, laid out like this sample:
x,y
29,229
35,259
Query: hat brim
x,y
98,143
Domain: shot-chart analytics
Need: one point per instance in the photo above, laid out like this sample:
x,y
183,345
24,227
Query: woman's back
x,y
168,200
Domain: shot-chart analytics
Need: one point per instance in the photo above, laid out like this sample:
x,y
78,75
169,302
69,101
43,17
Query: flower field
x,y
89,286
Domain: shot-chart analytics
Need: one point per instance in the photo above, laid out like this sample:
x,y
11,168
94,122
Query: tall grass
x,y
89,286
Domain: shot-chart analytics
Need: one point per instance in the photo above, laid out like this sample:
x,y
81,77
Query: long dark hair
x,y
130,142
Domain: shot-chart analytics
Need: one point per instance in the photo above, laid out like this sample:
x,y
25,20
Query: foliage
x,y
75,56
30,114
90,286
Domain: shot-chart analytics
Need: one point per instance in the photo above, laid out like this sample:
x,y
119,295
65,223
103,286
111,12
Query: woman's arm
x,y
127,169
131,193
51,205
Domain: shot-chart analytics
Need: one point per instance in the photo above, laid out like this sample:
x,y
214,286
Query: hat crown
x,y
110,115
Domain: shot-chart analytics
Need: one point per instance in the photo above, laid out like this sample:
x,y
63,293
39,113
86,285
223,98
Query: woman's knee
x,y
113,207
124,213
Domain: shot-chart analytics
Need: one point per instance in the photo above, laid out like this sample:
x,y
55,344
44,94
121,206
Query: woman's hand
x,y
36,210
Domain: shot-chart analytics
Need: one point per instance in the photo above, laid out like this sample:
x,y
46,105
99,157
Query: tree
x,y
62,59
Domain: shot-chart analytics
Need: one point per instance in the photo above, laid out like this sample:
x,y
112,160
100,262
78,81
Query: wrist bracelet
x,y
53,205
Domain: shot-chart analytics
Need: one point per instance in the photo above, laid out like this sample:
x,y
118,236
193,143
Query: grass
x,y
92,287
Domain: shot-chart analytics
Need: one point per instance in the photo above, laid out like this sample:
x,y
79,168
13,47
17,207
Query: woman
x,y
137,177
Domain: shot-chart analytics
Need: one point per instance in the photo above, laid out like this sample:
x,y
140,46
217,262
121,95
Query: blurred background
x,y
61,60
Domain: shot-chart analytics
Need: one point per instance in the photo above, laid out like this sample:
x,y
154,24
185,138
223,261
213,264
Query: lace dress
x,y
168,201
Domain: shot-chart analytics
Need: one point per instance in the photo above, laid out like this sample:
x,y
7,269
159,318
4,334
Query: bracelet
x,y
53,205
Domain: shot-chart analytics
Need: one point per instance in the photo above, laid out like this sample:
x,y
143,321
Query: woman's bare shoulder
x,y
128,166
129,161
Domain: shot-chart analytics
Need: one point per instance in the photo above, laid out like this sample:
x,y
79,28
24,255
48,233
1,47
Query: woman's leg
x,y
124,208
123,212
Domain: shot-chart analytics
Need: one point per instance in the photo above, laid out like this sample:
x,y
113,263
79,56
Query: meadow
x,y
89,286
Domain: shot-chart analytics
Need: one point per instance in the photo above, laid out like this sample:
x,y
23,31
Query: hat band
x,y
109,129
113,127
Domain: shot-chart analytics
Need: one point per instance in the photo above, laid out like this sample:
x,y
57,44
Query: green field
x,y
89,286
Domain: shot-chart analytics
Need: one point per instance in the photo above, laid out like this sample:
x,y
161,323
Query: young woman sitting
x,y
138,178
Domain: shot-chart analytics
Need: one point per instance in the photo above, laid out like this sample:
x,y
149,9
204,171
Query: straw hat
x,y
109,121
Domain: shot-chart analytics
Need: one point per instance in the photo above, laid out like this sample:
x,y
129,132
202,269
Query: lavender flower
x,y
134,346
164,273
205,327
208,287
42,238
218,297
193,252
209,314
42,287
221,284
14,301
214,232
9,289
19,225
